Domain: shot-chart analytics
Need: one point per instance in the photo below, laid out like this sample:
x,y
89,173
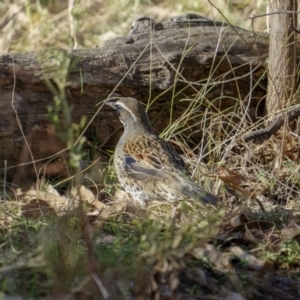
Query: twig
x,y
4,192
261,135
274,13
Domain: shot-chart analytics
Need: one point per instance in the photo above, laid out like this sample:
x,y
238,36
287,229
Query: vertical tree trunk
x,y
282,55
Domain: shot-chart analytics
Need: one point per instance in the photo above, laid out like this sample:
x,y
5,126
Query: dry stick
x,y
274,13
4,192
261,135
100,285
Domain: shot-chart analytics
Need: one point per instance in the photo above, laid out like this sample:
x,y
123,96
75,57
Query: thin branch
x,y
261,135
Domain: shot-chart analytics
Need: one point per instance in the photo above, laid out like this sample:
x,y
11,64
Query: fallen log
x,y
186,57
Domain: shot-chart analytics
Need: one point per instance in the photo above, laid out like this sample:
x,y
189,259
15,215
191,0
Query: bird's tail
x,y
199,194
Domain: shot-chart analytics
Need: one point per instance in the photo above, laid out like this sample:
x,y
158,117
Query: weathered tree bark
x,y
188,57
282,56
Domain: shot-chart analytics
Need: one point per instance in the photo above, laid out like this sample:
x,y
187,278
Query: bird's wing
x,y
151,158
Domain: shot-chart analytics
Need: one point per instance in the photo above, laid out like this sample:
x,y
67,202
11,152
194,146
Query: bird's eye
x,y
118,107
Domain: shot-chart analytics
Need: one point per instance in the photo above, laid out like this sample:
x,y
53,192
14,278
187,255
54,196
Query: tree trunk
x,y
282,56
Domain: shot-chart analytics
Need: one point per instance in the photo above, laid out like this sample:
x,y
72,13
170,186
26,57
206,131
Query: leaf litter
x,y
245,251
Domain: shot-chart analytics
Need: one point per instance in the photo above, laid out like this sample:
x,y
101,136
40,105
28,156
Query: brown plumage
x,y
148,167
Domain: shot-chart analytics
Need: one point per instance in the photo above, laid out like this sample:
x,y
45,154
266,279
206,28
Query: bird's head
x,y
132,114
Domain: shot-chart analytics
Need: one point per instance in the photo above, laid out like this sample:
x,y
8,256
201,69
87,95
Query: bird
x,y
148,167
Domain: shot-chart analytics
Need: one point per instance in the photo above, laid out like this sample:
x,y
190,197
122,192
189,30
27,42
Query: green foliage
x,y
287,256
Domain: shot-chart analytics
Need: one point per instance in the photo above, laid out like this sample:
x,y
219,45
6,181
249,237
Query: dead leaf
x,y
291,230
240,184
122,196
252,261
256,231
118,207
35,208
81,193
263,225
222,261
238,220
114,209
84,194
233,179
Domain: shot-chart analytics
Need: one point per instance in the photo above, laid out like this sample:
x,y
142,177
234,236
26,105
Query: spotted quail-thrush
x,y
148,167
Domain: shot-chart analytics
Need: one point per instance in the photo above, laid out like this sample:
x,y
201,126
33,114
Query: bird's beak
x,y
111,104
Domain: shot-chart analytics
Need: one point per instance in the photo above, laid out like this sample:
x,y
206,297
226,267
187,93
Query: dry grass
x,y
36,25
117,249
